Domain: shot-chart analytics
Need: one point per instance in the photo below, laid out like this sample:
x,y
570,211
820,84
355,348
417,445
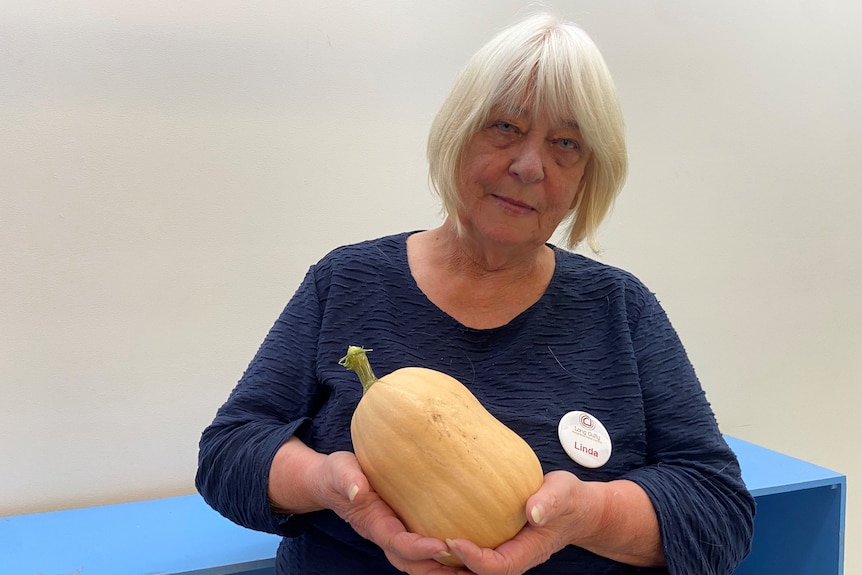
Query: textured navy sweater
x,y
597,341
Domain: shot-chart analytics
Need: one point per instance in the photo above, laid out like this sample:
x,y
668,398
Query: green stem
x,y
358,362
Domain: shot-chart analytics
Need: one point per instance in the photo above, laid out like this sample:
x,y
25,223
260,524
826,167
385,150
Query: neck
x,y
465,254
485,286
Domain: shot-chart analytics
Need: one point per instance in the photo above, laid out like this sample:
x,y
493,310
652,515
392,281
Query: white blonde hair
x,y
557,66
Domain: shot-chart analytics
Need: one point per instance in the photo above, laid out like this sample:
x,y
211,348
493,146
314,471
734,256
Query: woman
x,y
530,137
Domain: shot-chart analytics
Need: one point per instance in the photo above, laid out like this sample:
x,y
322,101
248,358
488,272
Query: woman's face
x,y
520,176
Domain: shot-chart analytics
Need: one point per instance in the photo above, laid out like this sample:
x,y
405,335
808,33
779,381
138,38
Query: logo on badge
x,y
585,439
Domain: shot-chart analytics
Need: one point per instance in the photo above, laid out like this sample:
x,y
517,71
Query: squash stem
x,y
358,362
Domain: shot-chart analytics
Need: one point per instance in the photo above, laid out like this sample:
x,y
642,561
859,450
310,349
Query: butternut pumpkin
x,y
438,458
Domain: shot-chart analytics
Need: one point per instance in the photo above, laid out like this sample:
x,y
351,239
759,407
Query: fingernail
x,y
442,555
454,549
536,514
351,495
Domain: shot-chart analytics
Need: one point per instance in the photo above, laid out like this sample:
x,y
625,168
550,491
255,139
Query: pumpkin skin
x,y
446,466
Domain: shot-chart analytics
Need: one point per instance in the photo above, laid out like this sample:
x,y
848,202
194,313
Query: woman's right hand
x,y
303,480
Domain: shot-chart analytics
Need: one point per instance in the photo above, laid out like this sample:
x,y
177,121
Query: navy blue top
x,y
597,341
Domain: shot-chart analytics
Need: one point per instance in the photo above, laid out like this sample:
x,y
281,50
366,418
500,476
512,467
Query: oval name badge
x,y
585,439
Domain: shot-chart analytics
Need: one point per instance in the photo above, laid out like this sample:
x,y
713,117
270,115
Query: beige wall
x,y
169,170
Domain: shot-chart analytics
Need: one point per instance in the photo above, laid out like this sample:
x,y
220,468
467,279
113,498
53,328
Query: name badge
x,y
585,439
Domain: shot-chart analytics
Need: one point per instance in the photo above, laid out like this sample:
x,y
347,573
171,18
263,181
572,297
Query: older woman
x,y
530,137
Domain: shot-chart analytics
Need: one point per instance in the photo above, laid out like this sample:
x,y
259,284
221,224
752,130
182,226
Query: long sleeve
x,y
268,406
705,512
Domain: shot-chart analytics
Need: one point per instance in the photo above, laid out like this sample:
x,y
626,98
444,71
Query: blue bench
x,y
799,531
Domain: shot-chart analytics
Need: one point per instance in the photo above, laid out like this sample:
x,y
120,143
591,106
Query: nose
x,y
527,164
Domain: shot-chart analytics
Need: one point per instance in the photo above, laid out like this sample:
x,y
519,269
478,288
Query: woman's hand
x,y
553,513
614,519
374,520
302,480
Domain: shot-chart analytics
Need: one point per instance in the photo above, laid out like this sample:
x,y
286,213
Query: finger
x,y
438,569
415,547
480,560
372,518
427,567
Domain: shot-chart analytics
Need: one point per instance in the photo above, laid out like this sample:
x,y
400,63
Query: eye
x,y
569,144
505,126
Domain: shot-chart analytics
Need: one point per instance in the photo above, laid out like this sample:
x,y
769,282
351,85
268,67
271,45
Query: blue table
x,y
157,537
799,530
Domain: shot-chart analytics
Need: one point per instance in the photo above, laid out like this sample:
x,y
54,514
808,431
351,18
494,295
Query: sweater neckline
x,y
482,333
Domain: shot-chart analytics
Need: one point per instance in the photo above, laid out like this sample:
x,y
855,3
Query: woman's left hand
x,y
554,515
614,519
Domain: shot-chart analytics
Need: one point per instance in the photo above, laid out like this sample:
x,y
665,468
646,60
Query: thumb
x,y
537,514
345,477
540,506
554,498
354,485
352,491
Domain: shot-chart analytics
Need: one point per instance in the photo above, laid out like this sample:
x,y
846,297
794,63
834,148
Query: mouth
x,y
513,205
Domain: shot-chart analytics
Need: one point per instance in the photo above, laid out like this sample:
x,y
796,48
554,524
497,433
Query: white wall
x,y
170,169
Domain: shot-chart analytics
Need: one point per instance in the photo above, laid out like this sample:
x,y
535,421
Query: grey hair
x,y
555,65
